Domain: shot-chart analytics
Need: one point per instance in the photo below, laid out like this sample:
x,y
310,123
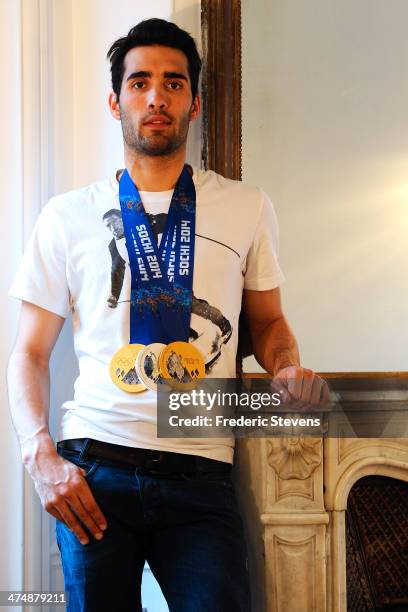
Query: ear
x,y
114,105
195,108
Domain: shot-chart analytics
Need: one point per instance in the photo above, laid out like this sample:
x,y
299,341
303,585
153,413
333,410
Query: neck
x,y
155,173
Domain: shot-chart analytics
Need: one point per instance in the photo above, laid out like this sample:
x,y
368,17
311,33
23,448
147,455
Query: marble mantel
x,y
294,490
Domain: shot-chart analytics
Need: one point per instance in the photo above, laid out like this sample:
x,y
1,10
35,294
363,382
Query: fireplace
x,y
377,545
296,492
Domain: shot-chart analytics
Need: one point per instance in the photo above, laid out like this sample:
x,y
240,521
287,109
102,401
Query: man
x,y
113,221
120,494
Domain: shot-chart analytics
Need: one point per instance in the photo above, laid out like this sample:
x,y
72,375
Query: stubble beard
x,y
156,144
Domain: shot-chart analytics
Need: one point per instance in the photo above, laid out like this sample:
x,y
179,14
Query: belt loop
x,y
84,449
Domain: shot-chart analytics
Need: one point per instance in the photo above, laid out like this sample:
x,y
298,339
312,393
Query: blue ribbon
x,y
161,277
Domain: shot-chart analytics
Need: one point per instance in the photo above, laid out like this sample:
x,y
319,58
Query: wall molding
x,y
36,16
221,40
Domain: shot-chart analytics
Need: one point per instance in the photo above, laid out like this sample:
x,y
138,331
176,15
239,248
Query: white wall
x,y
11,470
325,132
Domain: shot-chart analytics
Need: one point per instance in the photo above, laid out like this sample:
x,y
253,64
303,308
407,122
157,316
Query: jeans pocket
x,y
90,464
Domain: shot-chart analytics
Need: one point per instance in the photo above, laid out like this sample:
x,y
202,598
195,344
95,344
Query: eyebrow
x,y
147,74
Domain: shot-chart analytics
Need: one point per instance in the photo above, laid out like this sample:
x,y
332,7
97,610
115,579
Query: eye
x,y
175,85
138,84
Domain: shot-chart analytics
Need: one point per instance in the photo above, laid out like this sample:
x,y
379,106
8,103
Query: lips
x,y
157,121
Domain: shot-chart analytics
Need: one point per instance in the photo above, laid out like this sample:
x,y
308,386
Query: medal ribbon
x,y
161,277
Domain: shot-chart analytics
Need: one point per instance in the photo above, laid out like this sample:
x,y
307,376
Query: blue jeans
x,y
187,526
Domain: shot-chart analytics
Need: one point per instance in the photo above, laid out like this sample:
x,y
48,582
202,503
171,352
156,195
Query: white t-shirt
x,y
76,261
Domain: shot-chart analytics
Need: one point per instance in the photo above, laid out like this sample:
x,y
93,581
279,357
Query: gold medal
x,y
181,365
122,369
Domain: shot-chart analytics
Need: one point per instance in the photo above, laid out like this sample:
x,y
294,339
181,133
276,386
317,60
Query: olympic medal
x,y
147,365
181,365
122,369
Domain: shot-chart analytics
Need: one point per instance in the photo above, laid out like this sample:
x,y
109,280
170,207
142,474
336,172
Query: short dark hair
x,y
111,212
154,32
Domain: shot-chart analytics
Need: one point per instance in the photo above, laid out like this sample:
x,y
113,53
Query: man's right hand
x,y
65,494
61,484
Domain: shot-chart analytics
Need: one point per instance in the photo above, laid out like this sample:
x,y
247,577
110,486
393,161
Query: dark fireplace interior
x,y
377,545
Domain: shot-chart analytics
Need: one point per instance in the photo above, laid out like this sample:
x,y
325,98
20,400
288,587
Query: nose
x,y
158,98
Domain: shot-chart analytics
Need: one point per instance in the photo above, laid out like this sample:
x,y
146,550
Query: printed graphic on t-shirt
x,y
210,324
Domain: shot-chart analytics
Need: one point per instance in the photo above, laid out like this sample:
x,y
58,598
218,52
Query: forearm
x,y
28,388
275,346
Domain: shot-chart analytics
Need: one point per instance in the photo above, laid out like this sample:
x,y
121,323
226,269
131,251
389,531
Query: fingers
x,y
70,520
72,502
278,385
295,387
302,386
325,393
91,508
315,390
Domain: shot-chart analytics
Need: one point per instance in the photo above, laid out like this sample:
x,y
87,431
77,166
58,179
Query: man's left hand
x,y
301,387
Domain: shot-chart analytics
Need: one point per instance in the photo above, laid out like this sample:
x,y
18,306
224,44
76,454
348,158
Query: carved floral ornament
x,y
294,457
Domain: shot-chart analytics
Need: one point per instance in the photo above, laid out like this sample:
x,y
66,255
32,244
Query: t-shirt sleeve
x,y
262,271
41,278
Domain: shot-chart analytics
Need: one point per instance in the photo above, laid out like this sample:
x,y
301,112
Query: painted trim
x,y
35,19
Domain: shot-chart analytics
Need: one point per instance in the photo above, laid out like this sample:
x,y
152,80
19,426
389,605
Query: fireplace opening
x,y
377,545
